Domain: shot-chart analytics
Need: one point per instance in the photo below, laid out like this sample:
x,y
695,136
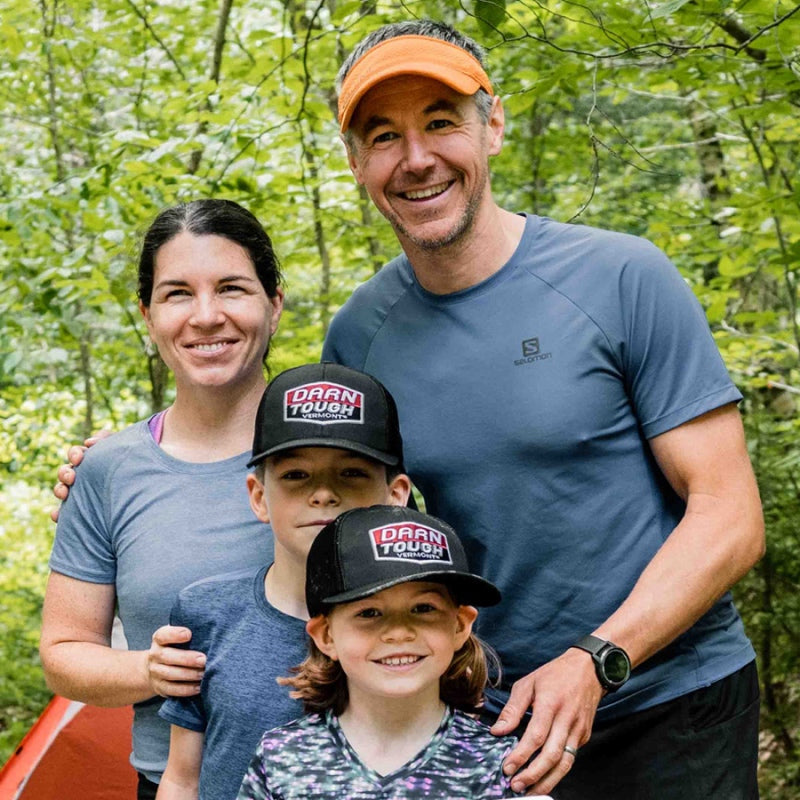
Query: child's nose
x,y
398,629
324,495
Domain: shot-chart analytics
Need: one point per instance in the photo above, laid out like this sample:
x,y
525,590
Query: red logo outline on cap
x,y
323,403
410,541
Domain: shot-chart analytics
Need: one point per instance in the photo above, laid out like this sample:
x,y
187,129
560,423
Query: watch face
x,y
616,667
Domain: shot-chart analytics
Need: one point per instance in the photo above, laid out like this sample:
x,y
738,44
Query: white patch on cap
x,y
323,403
410,541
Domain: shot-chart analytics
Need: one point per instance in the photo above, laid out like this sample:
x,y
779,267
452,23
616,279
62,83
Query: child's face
x,y
396,643
306,488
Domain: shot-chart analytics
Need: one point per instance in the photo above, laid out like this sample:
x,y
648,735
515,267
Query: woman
x,y
164,502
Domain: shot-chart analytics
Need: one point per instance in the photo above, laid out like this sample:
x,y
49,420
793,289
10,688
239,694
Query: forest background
x,y
676,120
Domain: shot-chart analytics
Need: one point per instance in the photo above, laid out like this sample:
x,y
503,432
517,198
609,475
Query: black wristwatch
x,y
611,663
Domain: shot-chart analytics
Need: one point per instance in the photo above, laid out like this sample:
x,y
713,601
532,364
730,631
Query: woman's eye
x,y
232,287
176,293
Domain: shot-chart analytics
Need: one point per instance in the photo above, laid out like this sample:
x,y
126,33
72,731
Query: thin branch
x,y
143,17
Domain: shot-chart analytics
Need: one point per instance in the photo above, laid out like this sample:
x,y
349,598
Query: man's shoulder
x,y
382,290
365,312
611,246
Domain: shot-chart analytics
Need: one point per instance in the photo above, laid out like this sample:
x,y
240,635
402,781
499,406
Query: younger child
x,y
327,439
392,674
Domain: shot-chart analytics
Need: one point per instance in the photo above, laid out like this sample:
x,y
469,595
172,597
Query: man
x,y
563,405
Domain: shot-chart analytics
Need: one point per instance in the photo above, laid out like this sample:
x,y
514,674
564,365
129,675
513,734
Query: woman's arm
x,y
75,646
182,775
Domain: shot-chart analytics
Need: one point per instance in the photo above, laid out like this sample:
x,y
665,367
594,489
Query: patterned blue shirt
x,y
311,757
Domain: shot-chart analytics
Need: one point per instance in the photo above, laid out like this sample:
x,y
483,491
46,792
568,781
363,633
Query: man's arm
x,y
80,663
181,778
720,537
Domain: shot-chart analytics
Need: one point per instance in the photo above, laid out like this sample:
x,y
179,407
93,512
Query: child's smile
x,y
398,642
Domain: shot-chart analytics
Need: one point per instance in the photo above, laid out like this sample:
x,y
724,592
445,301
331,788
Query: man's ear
x,y
399,490
465,617
319,630
258,500
497,126
352,159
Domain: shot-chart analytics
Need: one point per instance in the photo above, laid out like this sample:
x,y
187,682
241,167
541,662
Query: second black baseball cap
x,y
327,405
366,550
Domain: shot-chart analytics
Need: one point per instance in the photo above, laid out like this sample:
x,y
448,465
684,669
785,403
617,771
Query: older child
x,y
393,671
327,439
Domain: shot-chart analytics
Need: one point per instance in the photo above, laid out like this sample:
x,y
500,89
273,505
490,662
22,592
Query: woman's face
x,y
209,315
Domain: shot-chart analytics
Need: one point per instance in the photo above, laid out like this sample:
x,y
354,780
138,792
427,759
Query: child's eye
x,y
424,608
368,613
294,475
355,472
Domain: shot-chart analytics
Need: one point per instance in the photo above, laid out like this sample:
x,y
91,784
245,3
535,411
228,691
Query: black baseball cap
x,y
366,550
327,405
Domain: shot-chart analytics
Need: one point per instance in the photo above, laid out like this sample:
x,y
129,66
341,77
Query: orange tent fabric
x,y
73,752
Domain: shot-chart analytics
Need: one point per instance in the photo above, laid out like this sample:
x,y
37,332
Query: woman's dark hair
x,y
206,218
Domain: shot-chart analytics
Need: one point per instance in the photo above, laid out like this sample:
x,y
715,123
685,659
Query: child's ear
x,y
399,490
320,631
258,500
465,617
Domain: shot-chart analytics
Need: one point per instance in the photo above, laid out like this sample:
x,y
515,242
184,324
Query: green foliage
x,y
25,540
676,120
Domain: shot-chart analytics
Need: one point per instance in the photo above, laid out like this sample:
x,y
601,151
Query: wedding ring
x,y
573,751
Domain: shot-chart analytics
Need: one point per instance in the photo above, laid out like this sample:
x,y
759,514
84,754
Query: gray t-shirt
x,y
151,525
526,404
311,757
248,644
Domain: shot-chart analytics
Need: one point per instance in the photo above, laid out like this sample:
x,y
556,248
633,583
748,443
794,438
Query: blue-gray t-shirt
x,y
151,524
248,644
526,403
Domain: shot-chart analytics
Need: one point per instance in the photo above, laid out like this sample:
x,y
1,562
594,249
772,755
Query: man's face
x,y
422,152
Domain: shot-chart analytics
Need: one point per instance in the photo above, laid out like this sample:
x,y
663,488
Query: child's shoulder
x,y
303,731
467,728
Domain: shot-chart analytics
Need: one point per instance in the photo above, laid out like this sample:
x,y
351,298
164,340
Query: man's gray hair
x,y
420,27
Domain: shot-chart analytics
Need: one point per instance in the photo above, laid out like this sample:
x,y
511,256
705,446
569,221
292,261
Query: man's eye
x,y
438,124
387,136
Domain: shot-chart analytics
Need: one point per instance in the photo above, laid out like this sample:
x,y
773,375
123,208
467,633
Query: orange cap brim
x,y
410,55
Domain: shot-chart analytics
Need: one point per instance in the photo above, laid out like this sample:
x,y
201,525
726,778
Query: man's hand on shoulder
x,y
563,696
66,472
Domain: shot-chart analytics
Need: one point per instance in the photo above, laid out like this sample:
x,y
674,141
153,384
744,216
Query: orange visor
x,y
410,55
